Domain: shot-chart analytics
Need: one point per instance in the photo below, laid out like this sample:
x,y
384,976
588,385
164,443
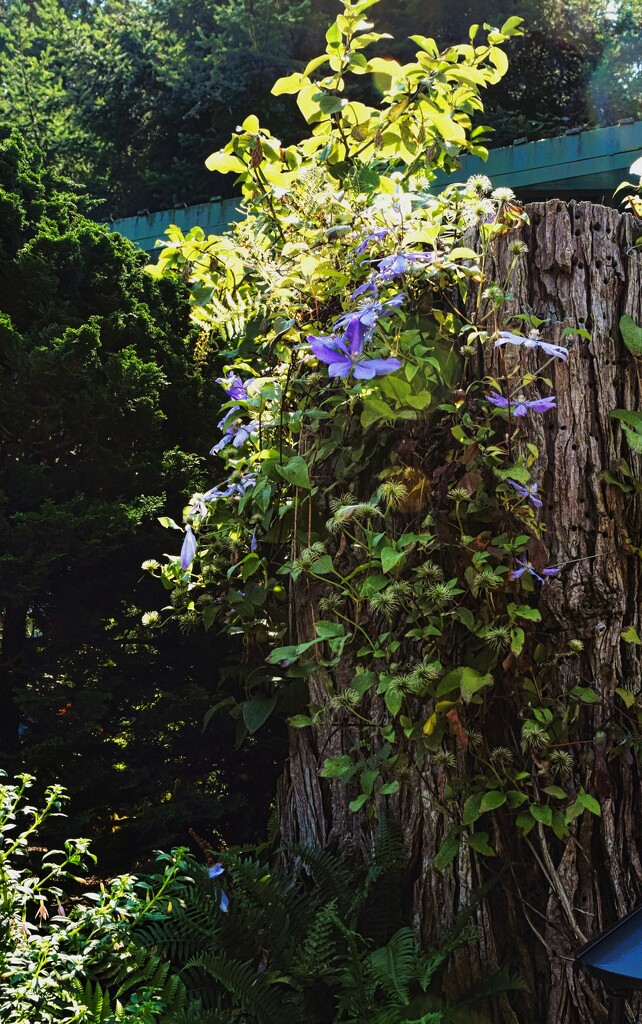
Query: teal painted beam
x,y
146,229
584,165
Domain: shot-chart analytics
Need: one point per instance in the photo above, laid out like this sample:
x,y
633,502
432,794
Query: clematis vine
x,y
375,236
400,263
216,871
525,566
345,355
526,491
189,548
370,312
520,407
234,387
231,487
533,341
236,433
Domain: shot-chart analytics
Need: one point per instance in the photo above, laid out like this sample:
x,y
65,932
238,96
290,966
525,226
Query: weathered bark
x,y
579,271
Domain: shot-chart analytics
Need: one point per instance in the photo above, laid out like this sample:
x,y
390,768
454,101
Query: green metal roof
x,y
578,165
146,228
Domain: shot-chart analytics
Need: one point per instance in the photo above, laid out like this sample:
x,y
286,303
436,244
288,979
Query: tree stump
x,y
581,270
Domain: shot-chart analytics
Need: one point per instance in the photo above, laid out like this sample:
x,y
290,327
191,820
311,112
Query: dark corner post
x,y
616,1008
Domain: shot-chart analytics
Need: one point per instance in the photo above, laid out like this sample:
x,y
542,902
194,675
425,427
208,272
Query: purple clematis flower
x,y
528,491
370,312
400,263
525,566
363,245
231,487
234,387
188,550
368,286
214,872
345,355
506,338
520,407
235,433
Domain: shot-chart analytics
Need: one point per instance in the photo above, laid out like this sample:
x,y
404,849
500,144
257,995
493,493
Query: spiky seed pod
x,y
479,183
487,579
385,601
441,593
501,756
348,699
343,499
561,764
459,494
393,493
431,572
498,637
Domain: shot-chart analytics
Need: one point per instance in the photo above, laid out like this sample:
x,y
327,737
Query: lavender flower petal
x,y
188,550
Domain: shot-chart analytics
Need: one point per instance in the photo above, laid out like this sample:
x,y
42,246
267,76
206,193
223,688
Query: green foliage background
x,y
130,96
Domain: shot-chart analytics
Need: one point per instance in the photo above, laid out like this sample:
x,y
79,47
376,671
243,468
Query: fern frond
x,y
393,966
250,991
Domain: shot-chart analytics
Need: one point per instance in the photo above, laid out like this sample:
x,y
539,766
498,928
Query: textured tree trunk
x,y
552,895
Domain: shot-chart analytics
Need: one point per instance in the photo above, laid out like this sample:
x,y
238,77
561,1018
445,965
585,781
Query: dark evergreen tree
x,y
100,402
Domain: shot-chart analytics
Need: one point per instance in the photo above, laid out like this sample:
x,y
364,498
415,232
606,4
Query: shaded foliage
x,y
100,402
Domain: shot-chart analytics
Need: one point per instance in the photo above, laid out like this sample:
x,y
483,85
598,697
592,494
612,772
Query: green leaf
x,y
295,471
478,841
627,696
299,721
390,559
586,695
394,700
517,641
630,636
329,104
472,809
372,585
396,388
447,852
341,767
288,655
589,802
631,419
327,630
168,523
225,163
524,611
356,804
468,680
323,565
256,712
491,800
542,813
375,409
555,791
251,124
632,335
389,788
363,681
289,83
526,822
634,439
